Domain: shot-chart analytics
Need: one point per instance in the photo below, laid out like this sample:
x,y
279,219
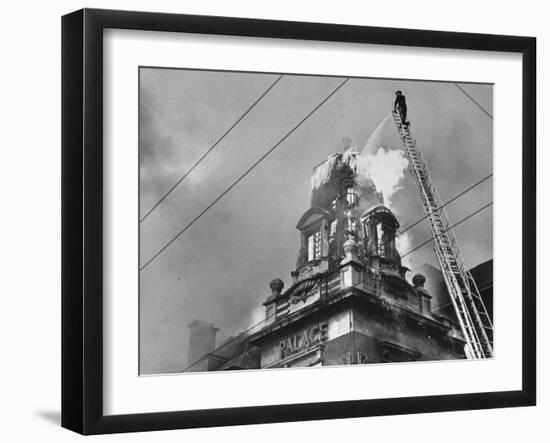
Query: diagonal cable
x,y
448,202
473,100
449,228
252,106
269,151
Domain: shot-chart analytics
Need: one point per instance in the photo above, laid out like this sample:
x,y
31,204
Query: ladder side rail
x,y
481,326
474,284
486,320
453,239
456,279
483,318
463,318
472,293
467,326
457,294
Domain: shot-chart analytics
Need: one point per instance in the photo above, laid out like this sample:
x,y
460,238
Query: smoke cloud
x,y
386,168
403,242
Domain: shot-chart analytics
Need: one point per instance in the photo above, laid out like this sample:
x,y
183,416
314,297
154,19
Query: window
x,y
381,240
351,198
314,246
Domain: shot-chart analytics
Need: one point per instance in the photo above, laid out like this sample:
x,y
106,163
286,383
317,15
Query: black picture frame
x,y
82,220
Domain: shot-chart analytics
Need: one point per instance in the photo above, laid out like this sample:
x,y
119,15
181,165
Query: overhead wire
x,y
473,100
242,176
448,202
218,141
447,229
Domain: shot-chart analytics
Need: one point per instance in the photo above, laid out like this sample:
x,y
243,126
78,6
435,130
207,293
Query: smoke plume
x,y
386,168
383,166
375,164
403,244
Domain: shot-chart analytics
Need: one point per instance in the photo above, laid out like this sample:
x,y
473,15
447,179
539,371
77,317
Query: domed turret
x,y
341,188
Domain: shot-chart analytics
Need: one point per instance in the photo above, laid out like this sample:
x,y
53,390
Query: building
x,y
441,301
349,301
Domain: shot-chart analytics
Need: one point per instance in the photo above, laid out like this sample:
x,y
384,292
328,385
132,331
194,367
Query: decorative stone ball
x,y
276,285
350,246
419,280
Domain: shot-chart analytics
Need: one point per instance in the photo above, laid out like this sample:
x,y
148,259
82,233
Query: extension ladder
x,y
474,321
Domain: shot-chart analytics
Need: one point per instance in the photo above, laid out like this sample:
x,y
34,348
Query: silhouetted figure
x,y
400,105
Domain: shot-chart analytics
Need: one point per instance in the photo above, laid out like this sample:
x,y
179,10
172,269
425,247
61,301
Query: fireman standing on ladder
x,y
400,105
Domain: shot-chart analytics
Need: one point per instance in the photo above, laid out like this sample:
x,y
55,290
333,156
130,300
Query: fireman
x,y
400,105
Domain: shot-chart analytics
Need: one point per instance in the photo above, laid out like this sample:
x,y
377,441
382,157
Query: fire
x,y
374,165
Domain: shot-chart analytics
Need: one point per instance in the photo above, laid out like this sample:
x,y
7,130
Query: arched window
x,y
380,227
314,245
315,233
381,240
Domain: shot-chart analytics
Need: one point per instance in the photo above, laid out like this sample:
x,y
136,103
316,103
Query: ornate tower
x,y
347,220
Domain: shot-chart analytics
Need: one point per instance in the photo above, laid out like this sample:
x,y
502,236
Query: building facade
x,y
349,301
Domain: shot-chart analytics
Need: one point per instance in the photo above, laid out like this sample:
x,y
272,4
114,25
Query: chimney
x,y
202,340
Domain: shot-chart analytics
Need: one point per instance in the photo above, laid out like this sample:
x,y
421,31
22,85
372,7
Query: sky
x,y
219,270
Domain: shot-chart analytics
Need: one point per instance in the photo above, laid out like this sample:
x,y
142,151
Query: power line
x,y
447,203
269,151
223,345
449,228
211,149
474,100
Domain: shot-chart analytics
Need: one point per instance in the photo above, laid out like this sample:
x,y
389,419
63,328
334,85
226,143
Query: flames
x,y
374,165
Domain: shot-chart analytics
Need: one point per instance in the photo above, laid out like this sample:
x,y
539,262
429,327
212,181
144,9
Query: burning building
x,y
349,301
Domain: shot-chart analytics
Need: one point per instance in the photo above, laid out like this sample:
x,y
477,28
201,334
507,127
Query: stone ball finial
x,y
419,280
350,246
276,285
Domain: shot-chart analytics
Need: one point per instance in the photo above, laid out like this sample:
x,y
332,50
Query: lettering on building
x,y
304,339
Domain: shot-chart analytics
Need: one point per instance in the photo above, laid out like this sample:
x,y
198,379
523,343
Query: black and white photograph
x,y
256,221
298,221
